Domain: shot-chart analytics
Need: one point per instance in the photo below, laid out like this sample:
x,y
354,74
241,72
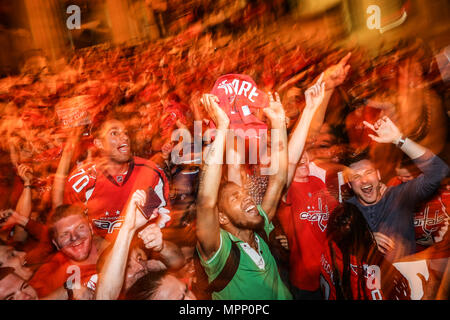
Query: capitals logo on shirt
x,y
110,226
430,219
316,215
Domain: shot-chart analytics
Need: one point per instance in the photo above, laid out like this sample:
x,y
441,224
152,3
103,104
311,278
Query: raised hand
x,y
211,104
9,218
336,74
134,219
74,136
386,130
275,112
25,173
152,237
315,94
384,243
5,219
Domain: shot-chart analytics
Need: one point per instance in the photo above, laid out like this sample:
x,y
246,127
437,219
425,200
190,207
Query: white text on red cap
x,y
233,88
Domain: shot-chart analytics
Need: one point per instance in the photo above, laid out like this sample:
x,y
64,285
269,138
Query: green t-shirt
x,y
250,282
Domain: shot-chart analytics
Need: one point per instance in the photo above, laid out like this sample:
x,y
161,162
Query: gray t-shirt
x,y
393,215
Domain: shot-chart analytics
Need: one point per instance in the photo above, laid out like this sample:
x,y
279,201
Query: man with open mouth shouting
x,y
105,184
228,219
389,211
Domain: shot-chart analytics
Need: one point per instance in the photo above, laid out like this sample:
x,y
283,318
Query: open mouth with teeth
x,y
249,208
123,148
367,189
78,246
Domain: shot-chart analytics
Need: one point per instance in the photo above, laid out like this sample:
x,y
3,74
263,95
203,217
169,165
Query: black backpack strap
x,y
279,254
229,269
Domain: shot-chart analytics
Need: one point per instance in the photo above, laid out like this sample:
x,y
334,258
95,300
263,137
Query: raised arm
x,y
168,252
111,276
314,99
24,205
317,98
333,77
63,168
433,168
278,158
387,132
208,228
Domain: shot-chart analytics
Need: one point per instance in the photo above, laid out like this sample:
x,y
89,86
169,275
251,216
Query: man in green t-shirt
x,y
230,215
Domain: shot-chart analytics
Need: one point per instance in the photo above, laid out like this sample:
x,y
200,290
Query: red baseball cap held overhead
x,y
240,98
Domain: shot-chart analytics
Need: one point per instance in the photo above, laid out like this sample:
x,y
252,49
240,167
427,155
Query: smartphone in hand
x,y
152,202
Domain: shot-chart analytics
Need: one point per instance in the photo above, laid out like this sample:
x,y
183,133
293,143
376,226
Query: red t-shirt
x,y
305,227
429,217
59,269
106,196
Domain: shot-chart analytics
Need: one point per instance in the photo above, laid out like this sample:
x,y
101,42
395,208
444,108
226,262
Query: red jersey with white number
x,y
305,227
368,276
429,217
105,196
374,279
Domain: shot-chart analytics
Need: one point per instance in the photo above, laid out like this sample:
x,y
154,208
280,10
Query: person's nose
x,y
138,266
124,137
141,266
74,236
364,179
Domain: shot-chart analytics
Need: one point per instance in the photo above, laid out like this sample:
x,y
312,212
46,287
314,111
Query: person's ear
x,y
56,244
98,143
223,219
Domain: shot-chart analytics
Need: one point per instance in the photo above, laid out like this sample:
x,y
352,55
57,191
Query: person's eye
x,y
63,236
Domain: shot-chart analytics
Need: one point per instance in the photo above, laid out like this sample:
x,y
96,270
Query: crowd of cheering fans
x,y
94,204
